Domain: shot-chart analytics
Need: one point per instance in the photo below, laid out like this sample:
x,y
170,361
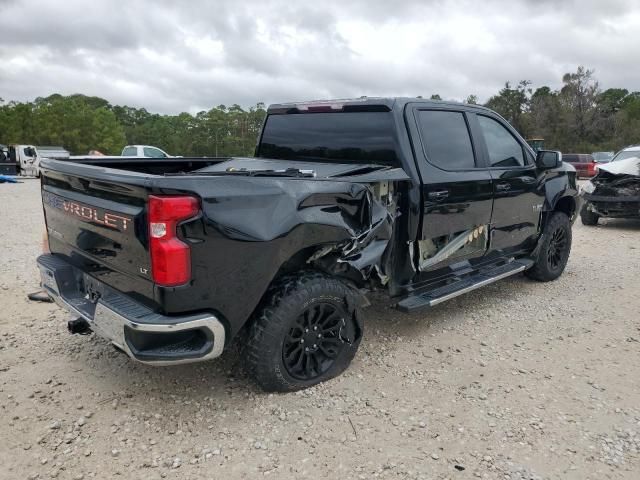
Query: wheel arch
x,y
568,205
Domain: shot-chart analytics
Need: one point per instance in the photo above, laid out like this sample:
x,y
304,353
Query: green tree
x,y
545,118
578,96
512,103
471,100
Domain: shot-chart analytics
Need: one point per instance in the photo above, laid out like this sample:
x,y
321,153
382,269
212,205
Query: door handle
x,y
438,195
503,187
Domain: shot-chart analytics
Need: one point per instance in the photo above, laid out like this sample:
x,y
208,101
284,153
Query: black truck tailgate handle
x,y
438,195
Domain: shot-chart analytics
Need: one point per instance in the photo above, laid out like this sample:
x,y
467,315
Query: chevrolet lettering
x,y
87,213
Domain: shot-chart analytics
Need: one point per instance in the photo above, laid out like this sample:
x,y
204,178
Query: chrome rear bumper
x,y
143,335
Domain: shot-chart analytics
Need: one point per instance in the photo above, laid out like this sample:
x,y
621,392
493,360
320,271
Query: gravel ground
x,y
519,380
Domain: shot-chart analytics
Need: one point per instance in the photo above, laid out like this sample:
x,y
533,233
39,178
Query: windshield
x,y
353,137
601,157
626,154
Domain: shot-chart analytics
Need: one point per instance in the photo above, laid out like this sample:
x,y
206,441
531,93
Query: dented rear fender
x,y
252,227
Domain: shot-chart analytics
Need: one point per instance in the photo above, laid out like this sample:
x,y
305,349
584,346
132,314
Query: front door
x,y
517,205
456,190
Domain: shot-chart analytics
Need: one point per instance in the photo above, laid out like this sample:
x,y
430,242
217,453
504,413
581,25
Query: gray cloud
x,y
185,56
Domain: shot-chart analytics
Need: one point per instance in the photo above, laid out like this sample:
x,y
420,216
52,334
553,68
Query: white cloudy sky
x,y
171,56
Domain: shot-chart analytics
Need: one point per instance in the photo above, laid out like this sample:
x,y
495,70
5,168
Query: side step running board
x,y
429,298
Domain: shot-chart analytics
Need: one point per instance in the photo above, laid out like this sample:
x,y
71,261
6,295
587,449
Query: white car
x,y
632,151
144,151
615,190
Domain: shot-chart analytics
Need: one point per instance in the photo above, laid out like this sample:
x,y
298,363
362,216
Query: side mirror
x,y
548,159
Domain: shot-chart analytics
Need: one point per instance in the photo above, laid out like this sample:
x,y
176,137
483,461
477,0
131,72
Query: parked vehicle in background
x,y
27,158
602,157
144,151
632,151
171,260
584,163
7,166
615,191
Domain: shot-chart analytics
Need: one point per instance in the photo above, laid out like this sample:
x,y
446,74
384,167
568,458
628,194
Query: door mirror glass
x,y
548,159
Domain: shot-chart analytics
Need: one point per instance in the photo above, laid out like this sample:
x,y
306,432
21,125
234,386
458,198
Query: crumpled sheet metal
x,y
296,214
629,166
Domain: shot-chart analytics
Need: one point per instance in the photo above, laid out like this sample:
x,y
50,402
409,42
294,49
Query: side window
x,y
446,139
153,152
504,149
130,152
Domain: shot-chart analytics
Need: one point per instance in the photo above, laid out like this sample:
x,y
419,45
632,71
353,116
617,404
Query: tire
x,y
588,217
555,249
305,332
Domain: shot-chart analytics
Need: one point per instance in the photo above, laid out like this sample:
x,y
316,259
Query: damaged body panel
x,y
461,244
249,230
171,260
614,192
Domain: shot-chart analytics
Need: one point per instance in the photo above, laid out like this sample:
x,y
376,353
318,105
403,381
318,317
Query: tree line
x,y
81,124
578,117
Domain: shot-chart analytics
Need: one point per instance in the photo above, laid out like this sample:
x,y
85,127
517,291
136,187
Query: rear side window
x,y
446,139
504,149
130,152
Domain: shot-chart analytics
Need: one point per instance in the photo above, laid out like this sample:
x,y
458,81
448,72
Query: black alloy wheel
x,y
554,248
557,250
314,342
306,331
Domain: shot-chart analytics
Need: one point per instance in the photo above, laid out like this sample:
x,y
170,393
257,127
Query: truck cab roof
x,y
361,104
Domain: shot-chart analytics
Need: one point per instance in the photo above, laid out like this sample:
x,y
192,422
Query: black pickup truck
x,y
172,259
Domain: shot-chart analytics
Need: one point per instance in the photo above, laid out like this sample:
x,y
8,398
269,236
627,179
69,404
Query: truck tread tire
x,y
554,252
276,329
588,217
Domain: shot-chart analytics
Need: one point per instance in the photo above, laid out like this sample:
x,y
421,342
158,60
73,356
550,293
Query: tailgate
x,y
100,226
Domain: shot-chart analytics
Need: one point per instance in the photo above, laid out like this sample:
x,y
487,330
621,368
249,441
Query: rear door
x,y
457,190
518,201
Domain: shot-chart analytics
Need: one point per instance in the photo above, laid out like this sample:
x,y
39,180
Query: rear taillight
x,y
591,169
170,256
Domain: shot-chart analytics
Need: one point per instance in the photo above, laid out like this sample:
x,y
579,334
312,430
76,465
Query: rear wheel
x,y
305,333
588,217
555,249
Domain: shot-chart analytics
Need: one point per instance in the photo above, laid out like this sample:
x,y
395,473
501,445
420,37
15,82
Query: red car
x,y
584,163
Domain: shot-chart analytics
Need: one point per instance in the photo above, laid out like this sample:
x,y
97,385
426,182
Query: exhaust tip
x,y
79,326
